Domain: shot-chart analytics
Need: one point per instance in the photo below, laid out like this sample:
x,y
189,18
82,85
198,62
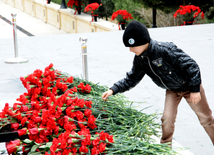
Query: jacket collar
x,y
148,50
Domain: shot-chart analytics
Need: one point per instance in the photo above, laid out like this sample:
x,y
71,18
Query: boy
x,y
170,68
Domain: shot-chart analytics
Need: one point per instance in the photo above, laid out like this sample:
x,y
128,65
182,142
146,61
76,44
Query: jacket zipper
x,y
155,73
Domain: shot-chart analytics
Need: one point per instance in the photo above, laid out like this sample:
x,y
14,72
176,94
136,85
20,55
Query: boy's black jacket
x,y
167,65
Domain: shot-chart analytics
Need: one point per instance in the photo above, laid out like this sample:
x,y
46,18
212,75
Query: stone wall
x,y
62,18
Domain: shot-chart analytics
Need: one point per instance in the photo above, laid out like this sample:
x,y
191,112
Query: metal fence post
x,y
17,59
83,41
154,12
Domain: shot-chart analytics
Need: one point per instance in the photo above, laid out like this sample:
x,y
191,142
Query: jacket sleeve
x,y
189,68
131,80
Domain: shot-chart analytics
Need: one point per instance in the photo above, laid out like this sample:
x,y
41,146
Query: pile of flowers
x,y
65,115
189,13
77,4
53,117
93,7
122,16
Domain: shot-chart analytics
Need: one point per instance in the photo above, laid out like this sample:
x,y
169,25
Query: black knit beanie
x,y
135,34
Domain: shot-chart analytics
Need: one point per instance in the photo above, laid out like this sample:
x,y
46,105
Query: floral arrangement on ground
x,y
65,115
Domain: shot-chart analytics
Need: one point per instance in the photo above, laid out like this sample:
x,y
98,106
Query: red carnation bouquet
x,y
93,7
121,16
55,120
76,4
189,12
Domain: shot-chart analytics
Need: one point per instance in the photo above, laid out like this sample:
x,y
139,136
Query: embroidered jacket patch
x,y
157,62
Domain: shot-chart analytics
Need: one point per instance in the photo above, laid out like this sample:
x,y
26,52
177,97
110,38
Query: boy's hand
x,y
107,94
195,97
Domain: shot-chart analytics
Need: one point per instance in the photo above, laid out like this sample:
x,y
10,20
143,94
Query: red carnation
x,y
79,115
87,140
70,80
102,147
87,112
54,146
87,88
15,126
96,142
24,108
95,151
83,149
22,132
38,73
23,121
12,146
91,119
103,135
88,104
33,131
110,138
37,119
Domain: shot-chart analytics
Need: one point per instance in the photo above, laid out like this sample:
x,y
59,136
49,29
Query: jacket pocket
x,y
172,79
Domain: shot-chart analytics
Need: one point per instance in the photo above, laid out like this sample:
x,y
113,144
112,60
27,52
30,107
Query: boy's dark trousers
x,y
201,109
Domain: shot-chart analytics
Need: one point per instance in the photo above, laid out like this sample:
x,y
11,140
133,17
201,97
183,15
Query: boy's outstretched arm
x,y
107,94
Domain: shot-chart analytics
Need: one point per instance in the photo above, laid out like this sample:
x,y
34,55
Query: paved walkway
x,y
25,21
108,61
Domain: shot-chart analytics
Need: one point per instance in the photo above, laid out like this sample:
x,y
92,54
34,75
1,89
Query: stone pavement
x,y
108,61
27,22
